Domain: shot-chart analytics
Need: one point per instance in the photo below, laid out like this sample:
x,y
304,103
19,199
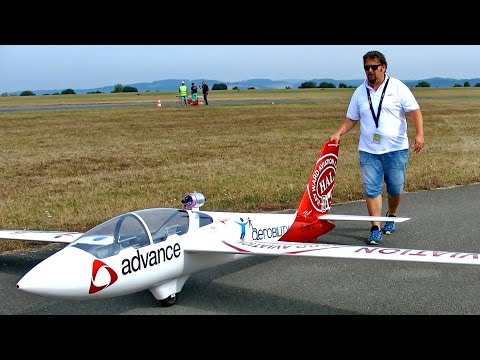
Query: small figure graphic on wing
x,y
242,226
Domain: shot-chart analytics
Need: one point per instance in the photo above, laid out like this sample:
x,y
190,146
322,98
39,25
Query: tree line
x,y
119,88
325,85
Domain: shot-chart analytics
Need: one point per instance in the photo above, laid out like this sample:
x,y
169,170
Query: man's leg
x,y
393,204
374,206
372,177
371,170
395,166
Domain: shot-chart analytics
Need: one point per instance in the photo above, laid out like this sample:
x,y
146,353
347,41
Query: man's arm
x,y
417,118
344,128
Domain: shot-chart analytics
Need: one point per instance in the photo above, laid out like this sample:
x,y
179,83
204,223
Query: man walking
x,y
380,105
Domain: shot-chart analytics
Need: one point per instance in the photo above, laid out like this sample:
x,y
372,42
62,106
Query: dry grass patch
x,y
73,169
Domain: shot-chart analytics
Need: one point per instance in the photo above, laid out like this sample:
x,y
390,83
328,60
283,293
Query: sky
x,y
50,67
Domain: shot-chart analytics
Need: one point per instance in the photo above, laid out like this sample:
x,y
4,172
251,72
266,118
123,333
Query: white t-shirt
x,y
391,133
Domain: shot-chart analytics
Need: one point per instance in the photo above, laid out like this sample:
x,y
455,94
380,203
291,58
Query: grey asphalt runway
x,y
443,219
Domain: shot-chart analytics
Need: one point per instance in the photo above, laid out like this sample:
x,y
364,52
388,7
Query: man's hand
x,y
418,144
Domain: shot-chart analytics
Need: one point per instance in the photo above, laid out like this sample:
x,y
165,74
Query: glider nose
x,y
65,274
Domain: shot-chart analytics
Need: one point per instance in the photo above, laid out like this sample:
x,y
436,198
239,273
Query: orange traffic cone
x,y
159,103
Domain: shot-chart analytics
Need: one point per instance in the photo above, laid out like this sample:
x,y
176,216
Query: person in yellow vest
x,y
182,90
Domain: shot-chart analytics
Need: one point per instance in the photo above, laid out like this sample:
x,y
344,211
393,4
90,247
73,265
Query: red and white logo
x,y
102,276
320,188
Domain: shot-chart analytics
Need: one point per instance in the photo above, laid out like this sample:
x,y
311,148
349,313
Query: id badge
x,y
377,138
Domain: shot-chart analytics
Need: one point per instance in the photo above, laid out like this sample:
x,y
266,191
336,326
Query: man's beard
x,y
371,81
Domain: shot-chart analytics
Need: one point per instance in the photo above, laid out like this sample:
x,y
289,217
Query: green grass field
x,y
70,169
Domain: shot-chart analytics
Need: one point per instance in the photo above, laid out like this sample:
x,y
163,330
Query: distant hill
x,y
172,84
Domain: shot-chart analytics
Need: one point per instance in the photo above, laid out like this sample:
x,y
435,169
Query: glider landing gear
x,y
169,301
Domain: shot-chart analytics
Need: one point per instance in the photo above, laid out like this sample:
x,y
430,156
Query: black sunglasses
x,y
374,67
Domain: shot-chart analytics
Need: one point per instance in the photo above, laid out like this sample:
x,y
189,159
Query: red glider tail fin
x,y
317,198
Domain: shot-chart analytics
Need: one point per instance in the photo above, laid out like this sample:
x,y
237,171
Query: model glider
x,y
160,248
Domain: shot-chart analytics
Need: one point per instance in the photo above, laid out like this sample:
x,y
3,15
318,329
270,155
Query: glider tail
x,y
317,198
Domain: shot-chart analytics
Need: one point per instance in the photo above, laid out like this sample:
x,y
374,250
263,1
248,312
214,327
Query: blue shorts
x,y
389,167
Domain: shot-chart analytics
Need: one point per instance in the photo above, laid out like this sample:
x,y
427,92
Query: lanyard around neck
x,y
375,117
